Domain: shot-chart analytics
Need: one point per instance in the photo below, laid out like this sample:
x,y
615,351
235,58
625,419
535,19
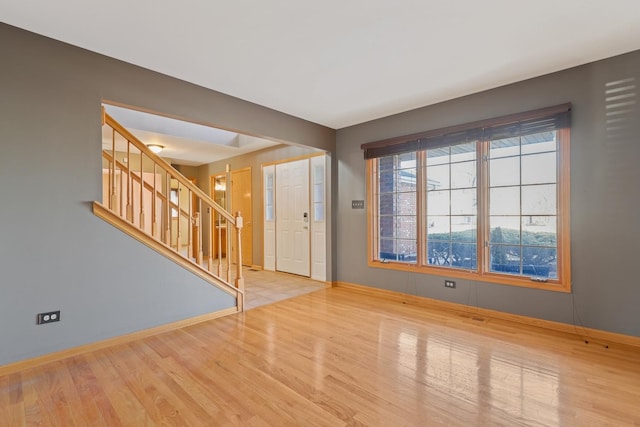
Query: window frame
x,y
483,273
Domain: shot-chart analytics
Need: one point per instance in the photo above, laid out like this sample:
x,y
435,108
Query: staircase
x,y
147,198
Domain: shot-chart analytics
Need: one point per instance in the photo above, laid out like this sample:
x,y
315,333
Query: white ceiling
x,y
341,62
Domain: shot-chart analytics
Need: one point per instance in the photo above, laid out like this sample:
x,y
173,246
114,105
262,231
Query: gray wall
x,y
605,200
54,253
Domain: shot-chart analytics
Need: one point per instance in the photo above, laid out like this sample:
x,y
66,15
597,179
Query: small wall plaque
x,y
357,204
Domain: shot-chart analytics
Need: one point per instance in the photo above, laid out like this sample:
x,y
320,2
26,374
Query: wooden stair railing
x,y
165,210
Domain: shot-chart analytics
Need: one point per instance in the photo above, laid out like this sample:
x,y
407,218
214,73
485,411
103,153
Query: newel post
x,y
239,278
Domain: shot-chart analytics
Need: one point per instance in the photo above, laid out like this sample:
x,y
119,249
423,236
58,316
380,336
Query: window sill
x,y
502,279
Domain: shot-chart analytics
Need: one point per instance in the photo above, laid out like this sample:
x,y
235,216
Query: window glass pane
x,y
463,175
464,202
438,227
386,182
318,193
505,259
397,204
539,262
387,226
504,201
386,163
268,203
387,249
406,204
504,171
407,160
539,142
539,230
438,177
406,227
539,199
504,229
398,250
318,174
464,255
387,204
407,250
504,147
439,253
464,229
463,152
406,180
539,168
438,156
438,202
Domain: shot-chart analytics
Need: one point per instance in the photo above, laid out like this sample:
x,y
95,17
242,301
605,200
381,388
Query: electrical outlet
x,y
449,284
48,317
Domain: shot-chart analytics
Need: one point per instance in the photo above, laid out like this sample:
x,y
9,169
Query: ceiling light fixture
x,y
155,148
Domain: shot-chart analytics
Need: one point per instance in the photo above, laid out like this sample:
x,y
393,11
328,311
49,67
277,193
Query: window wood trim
x,y
561,284
564,211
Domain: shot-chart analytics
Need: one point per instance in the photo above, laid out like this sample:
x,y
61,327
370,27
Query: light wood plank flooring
x,y
335,357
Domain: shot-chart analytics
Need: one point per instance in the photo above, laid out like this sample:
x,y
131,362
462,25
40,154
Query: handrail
x,y
108,120
135,186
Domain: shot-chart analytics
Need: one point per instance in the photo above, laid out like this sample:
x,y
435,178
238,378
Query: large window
x,y
488,201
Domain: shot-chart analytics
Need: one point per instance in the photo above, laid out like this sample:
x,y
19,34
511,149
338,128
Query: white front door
x,y
292,217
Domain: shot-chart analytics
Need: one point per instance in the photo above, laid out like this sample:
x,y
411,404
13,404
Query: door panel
x,y
292,217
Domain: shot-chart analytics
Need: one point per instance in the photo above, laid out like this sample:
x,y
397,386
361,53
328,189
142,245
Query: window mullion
x,y
521,243
483,206
420,211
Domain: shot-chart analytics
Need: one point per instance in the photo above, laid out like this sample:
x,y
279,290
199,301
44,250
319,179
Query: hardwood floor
x,y
335,357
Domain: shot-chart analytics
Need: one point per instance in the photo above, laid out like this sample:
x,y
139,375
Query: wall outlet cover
x,y
48,317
